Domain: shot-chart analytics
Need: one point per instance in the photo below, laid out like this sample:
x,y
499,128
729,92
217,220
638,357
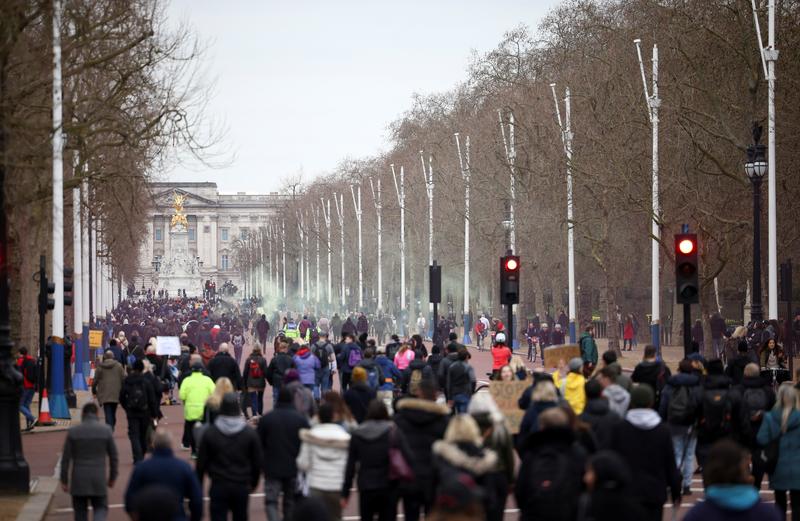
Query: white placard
x,y
168,346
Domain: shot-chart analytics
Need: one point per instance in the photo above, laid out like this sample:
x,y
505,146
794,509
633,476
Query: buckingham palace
x,y
215,222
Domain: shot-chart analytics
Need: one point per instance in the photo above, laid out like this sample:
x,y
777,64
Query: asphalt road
x,y
43,451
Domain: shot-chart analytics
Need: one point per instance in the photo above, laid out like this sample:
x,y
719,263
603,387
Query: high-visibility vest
x,y
290,330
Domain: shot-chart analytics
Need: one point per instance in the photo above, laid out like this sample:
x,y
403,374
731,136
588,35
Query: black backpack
x,y
552,486
717,419
137,397
754,405
681,408
321,352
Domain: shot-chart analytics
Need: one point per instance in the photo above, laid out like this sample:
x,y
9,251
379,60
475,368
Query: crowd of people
x,y
407,428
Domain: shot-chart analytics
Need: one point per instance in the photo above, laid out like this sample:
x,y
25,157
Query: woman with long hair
x,y
782,425
222,387
404,356
771,355
497,437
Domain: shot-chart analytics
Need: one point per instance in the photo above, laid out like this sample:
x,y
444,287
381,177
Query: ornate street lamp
x,y
756,168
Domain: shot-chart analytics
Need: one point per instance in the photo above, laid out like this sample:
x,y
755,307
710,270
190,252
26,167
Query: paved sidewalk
x,y
82,397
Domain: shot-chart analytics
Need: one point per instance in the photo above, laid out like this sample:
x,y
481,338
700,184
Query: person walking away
x,y
214,402
223,364
238,346
496,436
644,442
652,372
607,497
570,382
460,382
88,448
598,414
374,373
735,369
27,366
359,394
758,399
162,469
255,381
262,328
588,350
278,366
308,367
336,327
391,377
460,454
350,356
323,350
139,400
628,334
719,408
368,456
781,427
107,384
680,408
279,433
550,473
404,356
323,457
697,335
717,326
501,354
194,391
618,398
422,421
230,453
730,493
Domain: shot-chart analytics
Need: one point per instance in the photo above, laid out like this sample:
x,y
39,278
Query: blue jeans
x,y
460,403
275,391
257,402
25,404
685,445
110,414
325,381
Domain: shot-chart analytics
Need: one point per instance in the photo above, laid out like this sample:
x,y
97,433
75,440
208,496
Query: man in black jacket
x,y
597,413
645,443
444,365
757,398
280,363
735,369
279,431
139,400
223,364
230,454
422,421
652,372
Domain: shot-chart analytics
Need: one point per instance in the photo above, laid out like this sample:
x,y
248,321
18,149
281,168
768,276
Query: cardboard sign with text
x,y
566,352
95,338
168,346
506,395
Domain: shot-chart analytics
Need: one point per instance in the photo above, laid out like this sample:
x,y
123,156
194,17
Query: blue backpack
x,y
354,357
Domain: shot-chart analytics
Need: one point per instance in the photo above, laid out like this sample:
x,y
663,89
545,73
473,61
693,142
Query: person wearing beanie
x,y
140,402
570,382
597,413
230,454
194,391
644,442
730,493
358,396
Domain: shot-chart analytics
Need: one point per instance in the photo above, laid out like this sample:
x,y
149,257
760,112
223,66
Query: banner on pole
x,y
95,338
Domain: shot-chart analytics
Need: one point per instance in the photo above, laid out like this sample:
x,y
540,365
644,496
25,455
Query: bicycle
x,y
533,351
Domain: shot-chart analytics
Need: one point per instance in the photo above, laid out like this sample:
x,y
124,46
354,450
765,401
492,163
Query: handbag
x,y
399,469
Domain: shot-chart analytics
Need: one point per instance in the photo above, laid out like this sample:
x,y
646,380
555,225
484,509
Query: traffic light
x,y
687,287
435,278
509,279
46,289
68,274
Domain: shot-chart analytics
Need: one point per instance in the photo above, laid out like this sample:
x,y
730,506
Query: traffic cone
x,y
44,411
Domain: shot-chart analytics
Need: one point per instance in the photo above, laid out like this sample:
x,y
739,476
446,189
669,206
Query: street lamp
x,y
756,168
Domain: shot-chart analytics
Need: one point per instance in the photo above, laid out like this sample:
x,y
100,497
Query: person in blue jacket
x,y
783,423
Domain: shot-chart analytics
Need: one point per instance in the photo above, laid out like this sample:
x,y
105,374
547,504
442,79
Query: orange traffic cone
x,y
91,375
44,411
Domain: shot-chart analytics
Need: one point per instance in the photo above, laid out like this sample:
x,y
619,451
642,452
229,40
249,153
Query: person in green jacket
x,y
195,390
588,350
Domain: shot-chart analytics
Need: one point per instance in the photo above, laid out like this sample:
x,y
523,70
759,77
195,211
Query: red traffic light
x,y
511,264
686,246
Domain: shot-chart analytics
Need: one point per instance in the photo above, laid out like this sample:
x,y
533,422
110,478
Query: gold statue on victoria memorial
x,y
178,217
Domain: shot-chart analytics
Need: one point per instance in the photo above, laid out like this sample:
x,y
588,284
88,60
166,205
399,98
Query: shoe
x,y
687,491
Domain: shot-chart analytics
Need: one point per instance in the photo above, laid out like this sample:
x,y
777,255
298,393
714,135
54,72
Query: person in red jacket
x,y
501,354
27,366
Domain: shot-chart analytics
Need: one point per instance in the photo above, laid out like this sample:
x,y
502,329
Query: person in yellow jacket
x,y
195,390
572,384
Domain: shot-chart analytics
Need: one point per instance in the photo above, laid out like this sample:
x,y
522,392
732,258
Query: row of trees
x,y
712,90
131,101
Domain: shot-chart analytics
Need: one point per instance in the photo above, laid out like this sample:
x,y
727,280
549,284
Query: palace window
x,y
223,234
243,233
192,234
224,262
158,235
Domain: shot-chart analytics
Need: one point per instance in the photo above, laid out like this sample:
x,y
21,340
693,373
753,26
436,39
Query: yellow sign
x,y
506,395
96,338
564,352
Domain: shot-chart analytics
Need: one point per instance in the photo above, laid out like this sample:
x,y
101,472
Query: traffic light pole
x,y
687,330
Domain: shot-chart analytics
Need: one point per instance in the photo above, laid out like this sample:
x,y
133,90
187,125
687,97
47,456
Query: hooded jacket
x,y
732,502
307,366
601,419
369,451
572,389
588,348
279,432
787,472
323,456
195,390
230,452
163,469
278,366
653,373
422,422
133,380
391,375
108,378
618,399
452,459
645,443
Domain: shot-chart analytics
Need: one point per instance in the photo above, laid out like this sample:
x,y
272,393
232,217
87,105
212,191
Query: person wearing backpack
x,y
551,471
307,366
757,399
277,368
652,372
140,402
460,382
391,378
359,394
374,372
719,409
27,366
255,380
680,407
643,441
351,355
324,352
